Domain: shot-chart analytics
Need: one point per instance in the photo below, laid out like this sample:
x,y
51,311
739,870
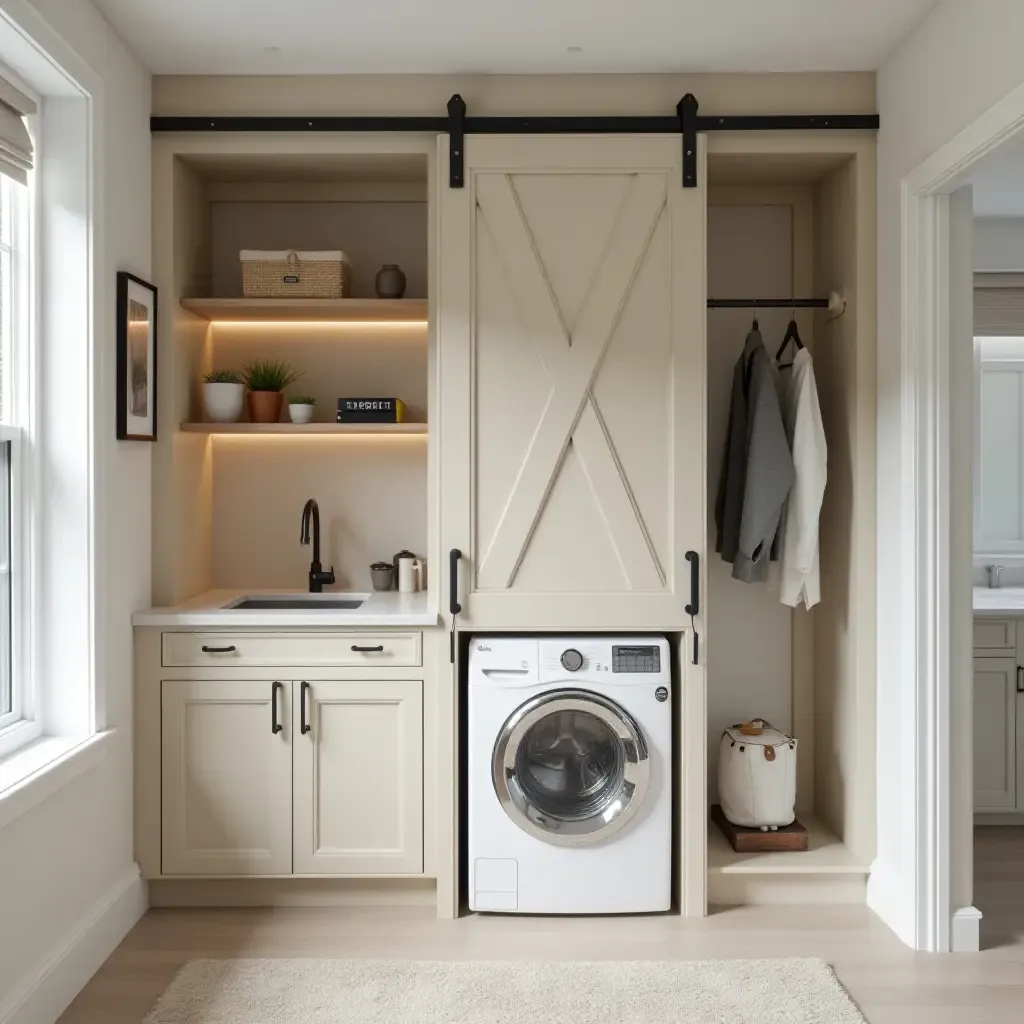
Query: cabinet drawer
x,y
287,650
995,634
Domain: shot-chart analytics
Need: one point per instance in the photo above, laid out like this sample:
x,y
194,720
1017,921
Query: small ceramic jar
x,y
390,282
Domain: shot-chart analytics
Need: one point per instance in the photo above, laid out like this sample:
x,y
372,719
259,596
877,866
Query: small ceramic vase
x,y
223,403
390,282
301,412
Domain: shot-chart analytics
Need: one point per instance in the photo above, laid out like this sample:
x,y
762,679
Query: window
x,y
15,409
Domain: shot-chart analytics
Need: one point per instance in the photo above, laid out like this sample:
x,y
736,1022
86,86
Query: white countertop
x,y
387,608
1000,601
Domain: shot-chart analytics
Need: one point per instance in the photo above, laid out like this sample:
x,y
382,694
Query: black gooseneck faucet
x,y
317,576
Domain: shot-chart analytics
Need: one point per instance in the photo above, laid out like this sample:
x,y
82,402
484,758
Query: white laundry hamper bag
x,y
757,776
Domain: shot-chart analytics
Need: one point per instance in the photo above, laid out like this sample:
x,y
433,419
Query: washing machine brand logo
x,y
481,647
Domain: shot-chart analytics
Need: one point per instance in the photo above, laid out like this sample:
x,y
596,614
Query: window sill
x,y
40,769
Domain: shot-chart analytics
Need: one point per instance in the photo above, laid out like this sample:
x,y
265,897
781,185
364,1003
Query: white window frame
x,y
22,724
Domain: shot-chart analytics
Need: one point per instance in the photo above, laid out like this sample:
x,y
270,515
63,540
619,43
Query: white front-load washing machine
x,y
569,775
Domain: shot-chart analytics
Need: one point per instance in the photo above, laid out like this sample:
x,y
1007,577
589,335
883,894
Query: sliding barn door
x,y
571,332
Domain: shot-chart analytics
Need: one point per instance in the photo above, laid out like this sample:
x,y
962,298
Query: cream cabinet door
x,y
999,452
358,777
226,777
571,318
995,734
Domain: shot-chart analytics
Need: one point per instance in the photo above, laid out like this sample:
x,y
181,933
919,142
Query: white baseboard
x,y
48,991
965,933
883,897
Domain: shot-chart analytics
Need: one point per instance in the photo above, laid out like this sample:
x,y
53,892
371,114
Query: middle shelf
x,y
304,428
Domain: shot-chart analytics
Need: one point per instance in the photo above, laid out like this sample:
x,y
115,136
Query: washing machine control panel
x,y
635,660
591,659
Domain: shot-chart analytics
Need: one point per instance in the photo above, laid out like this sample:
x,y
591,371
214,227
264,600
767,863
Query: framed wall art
x,y
136,359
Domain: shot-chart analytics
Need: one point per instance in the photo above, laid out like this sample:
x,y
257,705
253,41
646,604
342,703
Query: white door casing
x,y
226,777
358,789
571,332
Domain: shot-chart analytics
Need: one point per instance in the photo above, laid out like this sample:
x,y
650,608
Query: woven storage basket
x,y
267,274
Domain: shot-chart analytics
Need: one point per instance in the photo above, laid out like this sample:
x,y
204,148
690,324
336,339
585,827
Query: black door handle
x,y
304,726
454,557
1020,678
275,725
693,608
219,650
368,650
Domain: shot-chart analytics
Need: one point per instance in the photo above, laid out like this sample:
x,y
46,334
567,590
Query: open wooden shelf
x,y
304,428
825,855
293,310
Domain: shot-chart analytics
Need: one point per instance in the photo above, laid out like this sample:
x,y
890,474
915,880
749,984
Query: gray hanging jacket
x,y
757,471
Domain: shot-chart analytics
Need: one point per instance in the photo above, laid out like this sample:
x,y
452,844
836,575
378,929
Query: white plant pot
x,y
301,413
223,403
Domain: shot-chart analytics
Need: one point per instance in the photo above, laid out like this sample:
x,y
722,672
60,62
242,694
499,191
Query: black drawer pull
x,y
219,650
368,650
275,725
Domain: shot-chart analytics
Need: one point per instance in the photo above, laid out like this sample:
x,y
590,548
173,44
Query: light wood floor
x,y
891,984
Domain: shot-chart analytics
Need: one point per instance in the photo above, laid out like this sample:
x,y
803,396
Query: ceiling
x,y
999,184
521,37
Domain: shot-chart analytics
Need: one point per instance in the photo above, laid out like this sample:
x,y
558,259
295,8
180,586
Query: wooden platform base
x,y
752,840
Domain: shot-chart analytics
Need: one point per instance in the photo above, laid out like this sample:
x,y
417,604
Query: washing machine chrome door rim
x,y
614,809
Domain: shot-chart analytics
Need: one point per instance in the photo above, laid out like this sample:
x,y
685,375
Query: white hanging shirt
x,y
801,577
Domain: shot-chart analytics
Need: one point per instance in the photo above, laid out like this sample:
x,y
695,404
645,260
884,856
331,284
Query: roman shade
x,y
999,305
15,141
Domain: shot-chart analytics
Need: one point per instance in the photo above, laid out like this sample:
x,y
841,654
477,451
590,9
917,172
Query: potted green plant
x,y
266,380
223,396
300,408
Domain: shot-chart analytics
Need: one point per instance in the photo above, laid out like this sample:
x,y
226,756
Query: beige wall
x,y
750,657
844,628
372,497
515,94
67,863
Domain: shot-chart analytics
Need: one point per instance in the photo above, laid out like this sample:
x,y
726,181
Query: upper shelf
x,y
292,310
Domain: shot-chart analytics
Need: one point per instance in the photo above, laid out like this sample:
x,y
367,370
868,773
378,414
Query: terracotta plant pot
x,y
264,406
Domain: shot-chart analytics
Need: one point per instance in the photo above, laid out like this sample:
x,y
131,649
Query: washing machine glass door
x,y
571,767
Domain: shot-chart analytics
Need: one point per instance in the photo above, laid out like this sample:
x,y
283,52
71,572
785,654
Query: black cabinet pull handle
x,y
304,726
693,608
454,556
275,725
1020,678
219,650
368,650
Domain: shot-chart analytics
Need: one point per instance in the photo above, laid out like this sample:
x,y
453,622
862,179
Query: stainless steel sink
x,y
298,602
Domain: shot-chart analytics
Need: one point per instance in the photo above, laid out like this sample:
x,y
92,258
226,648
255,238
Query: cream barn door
x,y
571,332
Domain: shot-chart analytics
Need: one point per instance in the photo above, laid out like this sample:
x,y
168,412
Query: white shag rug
x,y
793,991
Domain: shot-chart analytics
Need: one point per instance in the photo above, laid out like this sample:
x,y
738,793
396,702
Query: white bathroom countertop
x,y
999,601
212,610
